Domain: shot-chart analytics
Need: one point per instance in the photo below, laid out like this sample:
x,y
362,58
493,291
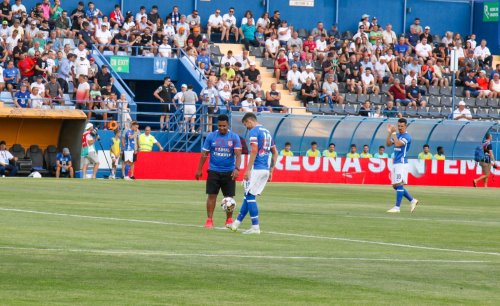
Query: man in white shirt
x,y
307,74
247,105
483,55
229,25
423,50
293,79
388,36
38,84
411,76
165,50
82,66
284,33
103,37
462,113
228,58
215,23
383,73
368,82
272,45
321,47
142,13
5,158
80,51
18,9
331,92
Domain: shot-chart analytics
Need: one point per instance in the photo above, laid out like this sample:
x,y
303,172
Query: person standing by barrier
x,y
486,161
189,99
165,93
129,142
146,141
5,160
114,152
89,152
399,173
224,148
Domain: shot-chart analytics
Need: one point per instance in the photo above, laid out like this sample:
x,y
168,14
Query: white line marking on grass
x,y
425,219
171,254
270,233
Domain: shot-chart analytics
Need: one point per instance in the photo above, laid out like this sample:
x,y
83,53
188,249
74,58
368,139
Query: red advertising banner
x,y
183,166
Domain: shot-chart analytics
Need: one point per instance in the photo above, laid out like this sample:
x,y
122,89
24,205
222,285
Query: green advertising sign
x,y
490,12
120,63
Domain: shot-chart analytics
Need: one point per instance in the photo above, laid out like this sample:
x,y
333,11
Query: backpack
x,y
479,155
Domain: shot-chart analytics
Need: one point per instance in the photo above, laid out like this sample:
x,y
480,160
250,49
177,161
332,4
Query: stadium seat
x,y
341,86
434,112
446,111
481,102
492,102
215,59
69,41
303,33
338,109
347,35
351,98
256,51
400,77
423,112
384,99
18,151
411,112
350,109
385,88
446,101
423,89
313,107
317,66
470,102
493,113
445,90
376,99
50,156
434,90
434,101
6,97
36,155
268,63
482,113
362,98
215,50
459,91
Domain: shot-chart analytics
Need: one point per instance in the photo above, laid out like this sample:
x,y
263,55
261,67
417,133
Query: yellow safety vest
x,y
146,143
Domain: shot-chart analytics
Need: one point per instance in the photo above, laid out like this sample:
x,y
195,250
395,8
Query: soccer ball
x,y
228,204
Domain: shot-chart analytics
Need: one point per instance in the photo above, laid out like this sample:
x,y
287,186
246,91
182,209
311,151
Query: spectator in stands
x,y
64,163
141,14
235,105
495,85
390,111
483,54
330,92
247,32
295,40
397,93
439,73
366,152
26,66
365,110
210,100
402,47
275,21
440,154
193,20
229,26
22,97
11,77
425,154
484,83
280,65
228,58
248,105
7,161
116,16
215,24
164,94
63,28
120,41
272,45
83,94
427,74
228,71
319,30
382,72
471,87
352,152
82,66
247,16
165,50
440,52
36,99
85,36
253,75
423,50
264,23
273,98
368,82
381,153
175,15
287,150
18,9
313,151
462,113
308,92
334,32
284,33
389,37
104,77
413,93
293,79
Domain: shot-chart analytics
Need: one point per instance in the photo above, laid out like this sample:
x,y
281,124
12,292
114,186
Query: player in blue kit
x,y
258,171
224,148
399,174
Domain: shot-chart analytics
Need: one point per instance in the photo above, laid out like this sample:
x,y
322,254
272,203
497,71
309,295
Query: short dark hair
x,y
365,145
2,142
331,144
287,144
403,120
381,147
166,78
439,148
353,145
487,136
425,146
223,117
314,143
249,116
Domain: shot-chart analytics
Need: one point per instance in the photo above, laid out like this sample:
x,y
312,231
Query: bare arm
x,y
274,159
253,155
203,158
236,171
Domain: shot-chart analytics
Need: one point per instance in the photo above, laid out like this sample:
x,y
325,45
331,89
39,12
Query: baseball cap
x,y
89,126
184,86
427,28
65,151
5,22
296,54
249,96
309,67
252,63
461,103
91,59
482,71
258,100
365,16
227,64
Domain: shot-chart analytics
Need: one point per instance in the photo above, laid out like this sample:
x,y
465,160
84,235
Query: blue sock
x,y
399,194
253,209
243,210
407,195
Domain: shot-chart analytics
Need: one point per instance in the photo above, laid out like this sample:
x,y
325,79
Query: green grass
x,y
148,247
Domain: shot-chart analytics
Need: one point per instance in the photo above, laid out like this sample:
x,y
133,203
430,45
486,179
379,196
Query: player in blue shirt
x,y
224,148
129,142
258,171
22,97
64,163
399,175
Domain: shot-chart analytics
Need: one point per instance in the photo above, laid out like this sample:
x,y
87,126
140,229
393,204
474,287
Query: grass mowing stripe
x,y
170,254
269,233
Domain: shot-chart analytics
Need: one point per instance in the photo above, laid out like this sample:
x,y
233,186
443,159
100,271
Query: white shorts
x,y
114,159
399,174
189,110
128,156
92,158
258,180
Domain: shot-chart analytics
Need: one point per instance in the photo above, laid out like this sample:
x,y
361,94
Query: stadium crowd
x,y
46,53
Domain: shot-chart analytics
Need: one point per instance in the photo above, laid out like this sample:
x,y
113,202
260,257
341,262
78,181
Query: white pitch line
x,y
171,254
425,219
270,233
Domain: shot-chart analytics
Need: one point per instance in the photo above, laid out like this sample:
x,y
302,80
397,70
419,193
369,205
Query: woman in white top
x,y
225,95
495,86
165,50
264,22
104,21
169,29
223,82
129,24
125,111
248,15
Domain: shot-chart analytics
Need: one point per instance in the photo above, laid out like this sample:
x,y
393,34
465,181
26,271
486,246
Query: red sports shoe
x,y
209,223
229,222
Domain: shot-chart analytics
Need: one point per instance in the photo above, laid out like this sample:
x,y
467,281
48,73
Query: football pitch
x,y
74,242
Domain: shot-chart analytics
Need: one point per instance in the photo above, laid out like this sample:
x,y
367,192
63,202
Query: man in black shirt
x,y
252,74
18,50
146,41
153,16
6,11
85,36
103,77
273,100
78,12
120,40
165,93
308,92
196,37
41,64
275,21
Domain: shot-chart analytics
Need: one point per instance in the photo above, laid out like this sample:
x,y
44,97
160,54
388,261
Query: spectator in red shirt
x,y
310,43
397,93
281,65
484,84
26,66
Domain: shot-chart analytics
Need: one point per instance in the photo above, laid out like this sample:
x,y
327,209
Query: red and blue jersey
x,y
221,148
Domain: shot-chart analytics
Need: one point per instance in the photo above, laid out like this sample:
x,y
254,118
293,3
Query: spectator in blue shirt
x,y
64,164
11,76
204,58
402,47
247,31
22,97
